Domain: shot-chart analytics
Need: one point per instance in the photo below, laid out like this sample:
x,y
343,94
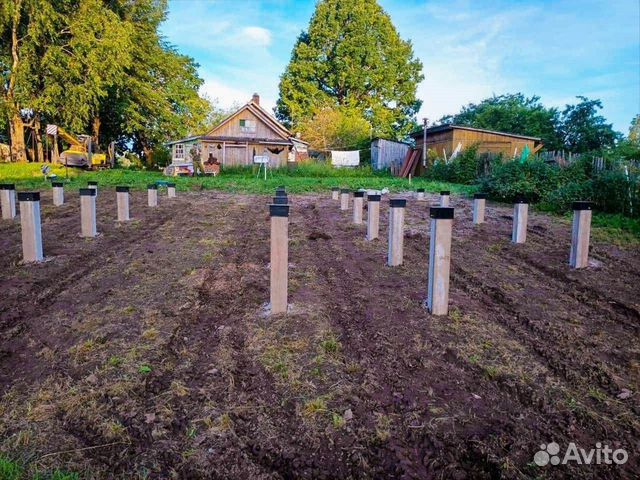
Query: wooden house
x,y
250,131
443,140
385,153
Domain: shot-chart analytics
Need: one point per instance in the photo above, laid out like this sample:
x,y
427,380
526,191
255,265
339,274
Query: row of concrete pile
x,y
30,223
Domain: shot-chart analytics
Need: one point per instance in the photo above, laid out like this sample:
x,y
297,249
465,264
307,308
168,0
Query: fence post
x,y
344,199
93,185
580,233
279,257
479,203
88,212
122,200
30,226
335,193
396,231
373,216
444,198
420,194
171,190
358,201
439,260
58,193
152,195
8,201
520,218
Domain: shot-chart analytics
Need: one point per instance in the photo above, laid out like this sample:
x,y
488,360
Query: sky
x,y
470,49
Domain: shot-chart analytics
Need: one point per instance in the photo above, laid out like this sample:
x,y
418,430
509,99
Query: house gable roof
x,y
261,114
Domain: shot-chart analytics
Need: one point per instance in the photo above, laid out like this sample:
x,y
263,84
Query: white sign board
x,y
261,159
345,159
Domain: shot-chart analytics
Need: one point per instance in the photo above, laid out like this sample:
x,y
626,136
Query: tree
x,y
352,56
56,59
157,97
512,113
98,66
336,129
583,130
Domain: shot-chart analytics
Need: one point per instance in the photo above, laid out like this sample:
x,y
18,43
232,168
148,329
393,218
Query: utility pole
x,y
424,142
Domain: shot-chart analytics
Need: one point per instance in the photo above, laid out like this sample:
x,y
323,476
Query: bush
x,y
557,187
462,169
615,193
531,178
130,161
560,199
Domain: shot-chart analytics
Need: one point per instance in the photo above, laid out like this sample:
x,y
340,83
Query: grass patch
x,y
307,178
616,229
12,470
314,407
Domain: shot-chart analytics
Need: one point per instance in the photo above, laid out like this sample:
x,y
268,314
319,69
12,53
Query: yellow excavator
x,y
81,152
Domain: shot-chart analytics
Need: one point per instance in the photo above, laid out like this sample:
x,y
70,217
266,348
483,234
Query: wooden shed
x,y
443,140
385,153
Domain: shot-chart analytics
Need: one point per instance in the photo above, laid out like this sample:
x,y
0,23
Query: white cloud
x,y
256,36
228,96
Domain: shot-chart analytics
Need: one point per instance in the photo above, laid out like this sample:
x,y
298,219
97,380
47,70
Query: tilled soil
x,y
149,352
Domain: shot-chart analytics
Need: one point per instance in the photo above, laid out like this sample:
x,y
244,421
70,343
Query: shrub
x,y
462,169
560,199
532,178
614,192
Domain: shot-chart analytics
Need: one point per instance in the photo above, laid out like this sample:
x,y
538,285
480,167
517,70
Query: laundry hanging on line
x,y
345,158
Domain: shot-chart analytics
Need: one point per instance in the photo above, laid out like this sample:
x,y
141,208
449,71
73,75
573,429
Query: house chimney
x,y
256,99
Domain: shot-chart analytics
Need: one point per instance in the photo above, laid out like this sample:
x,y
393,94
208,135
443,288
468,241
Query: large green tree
x,y
352,56
96,66
584,130
57,60
157,97
512,113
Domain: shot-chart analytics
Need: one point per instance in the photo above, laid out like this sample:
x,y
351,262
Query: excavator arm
x,y
70,139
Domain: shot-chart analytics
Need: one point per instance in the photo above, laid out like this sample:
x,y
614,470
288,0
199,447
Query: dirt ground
x,y
147,353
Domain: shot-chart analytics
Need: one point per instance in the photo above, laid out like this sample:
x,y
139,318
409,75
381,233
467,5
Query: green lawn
x,y
307,178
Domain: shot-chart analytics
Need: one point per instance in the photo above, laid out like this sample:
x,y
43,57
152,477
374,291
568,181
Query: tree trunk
x,y
37,131
95,130
148,155
16,130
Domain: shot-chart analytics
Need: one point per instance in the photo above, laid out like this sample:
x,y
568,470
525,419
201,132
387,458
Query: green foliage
x,y
560,199
556,187
532,178
462,169
97,67
583,130
512,113
352,56
578,128
614,192
338,128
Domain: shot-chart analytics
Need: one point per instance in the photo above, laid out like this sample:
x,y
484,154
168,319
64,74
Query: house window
x,y
178,150
247,126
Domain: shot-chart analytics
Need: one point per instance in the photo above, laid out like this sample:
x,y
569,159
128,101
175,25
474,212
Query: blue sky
x,y
470,49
